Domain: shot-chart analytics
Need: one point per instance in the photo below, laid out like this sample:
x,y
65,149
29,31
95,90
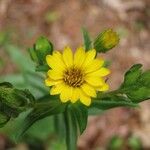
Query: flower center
x,y
73,77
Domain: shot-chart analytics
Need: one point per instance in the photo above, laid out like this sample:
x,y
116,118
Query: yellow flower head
x,y
76,77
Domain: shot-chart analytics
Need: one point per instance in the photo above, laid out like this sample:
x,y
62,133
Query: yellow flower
x,y
76,77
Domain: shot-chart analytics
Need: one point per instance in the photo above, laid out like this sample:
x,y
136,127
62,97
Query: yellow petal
x,y
66,94
56,89
50,82
94,65
86,100
55,75
100,73
55,61
88,90
75,95
68,57
105,87
79,57
94,81
90,55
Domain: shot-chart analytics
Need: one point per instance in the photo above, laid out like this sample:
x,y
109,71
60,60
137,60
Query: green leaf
x,y
87,39
16,79
136,85
139,95
94,111
80,114
145,78
112,101
40,111
132,75
59,125
33,54
132,91
19,58
71,129
42,68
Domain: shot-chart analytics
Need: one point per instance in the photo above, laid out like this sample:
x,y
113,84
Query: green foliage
x,y
112,100
40,110
87,39
26,77
134,89
136,84
13,102
80,113
132,75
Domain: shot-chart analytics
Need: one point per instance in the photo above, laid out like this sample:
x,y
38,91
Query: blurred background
x,y
23,21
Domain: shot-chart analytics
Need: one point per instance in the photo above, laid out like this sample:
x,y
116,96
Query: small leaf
x,y
136,85
145,78
81,114
33,54
42,68
23,62
87,40
139,95
112,102
40,111
132,75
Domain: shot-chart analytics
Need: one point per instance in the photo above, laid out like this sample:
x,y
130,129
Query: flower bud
x,y
14,98
106,41
3,119
43,47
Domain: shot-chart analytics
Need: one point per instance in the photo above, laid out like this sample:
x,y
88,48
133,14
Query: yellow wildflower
x,y
76,77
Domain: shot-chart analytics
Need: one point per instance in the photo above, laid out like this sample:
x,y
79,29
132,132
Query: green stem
x,y
59,125
71,130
